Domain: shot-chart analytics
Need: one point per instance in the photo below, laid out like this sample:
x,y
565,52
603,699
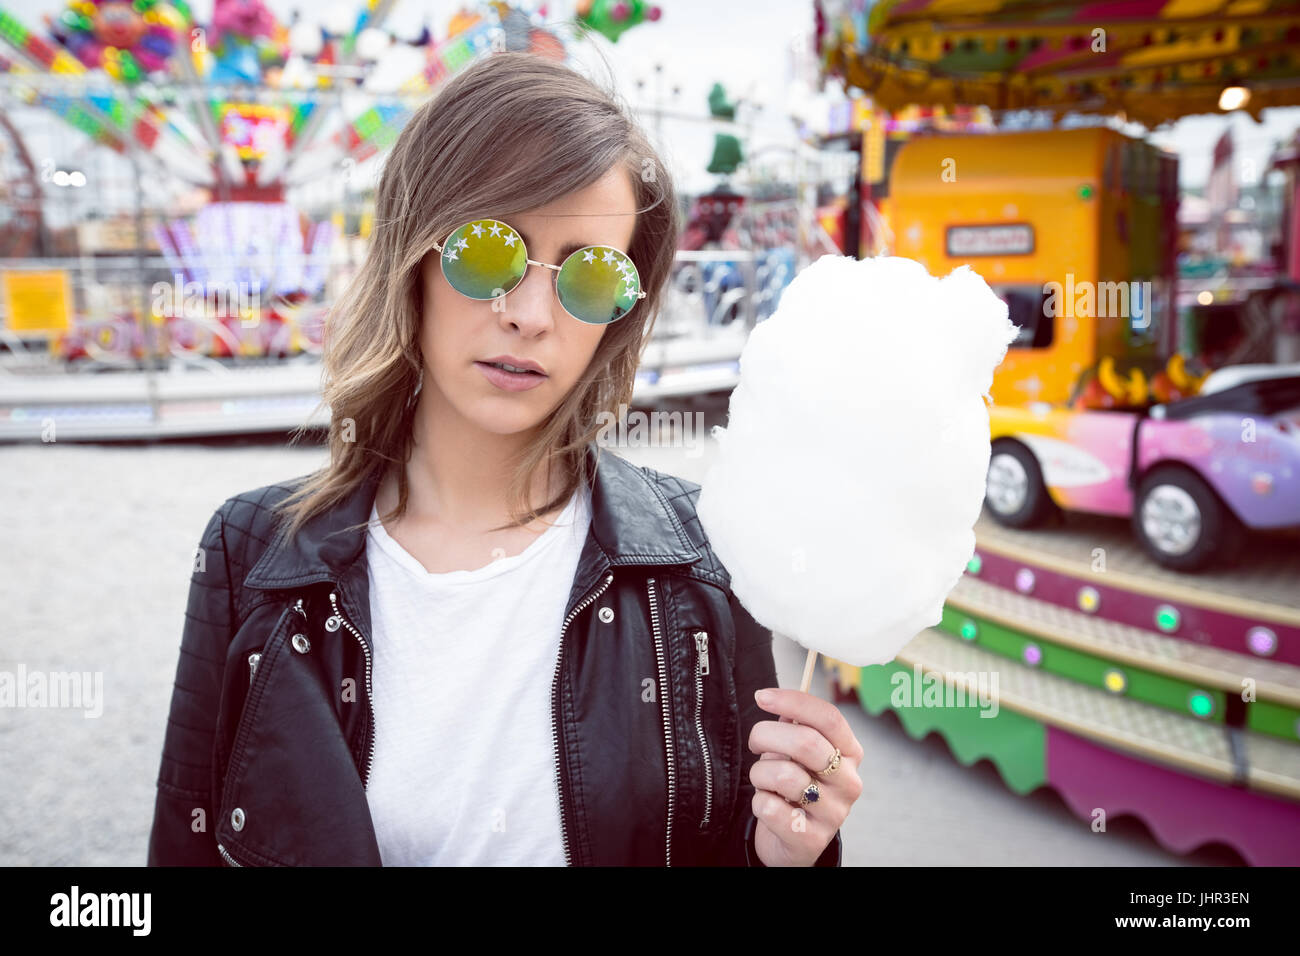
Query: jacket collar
x,y
631,523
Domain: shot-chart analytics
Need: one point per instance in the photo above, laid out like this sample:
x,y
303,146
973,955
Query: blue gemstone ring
x,y
811,794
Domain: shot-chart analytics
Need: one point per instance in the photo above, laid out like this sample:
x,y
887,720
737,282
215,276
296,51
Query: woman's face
x,y
459,334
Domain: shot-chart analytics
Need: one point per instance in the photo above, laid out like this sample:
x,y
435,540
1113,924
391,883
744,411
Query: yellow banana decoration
x,y
1110,381
1133,390
1177,369
1137,387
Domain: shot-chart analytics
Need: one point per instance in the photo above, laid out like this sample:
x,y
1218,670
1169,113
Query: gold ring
x,y
833,764
811,794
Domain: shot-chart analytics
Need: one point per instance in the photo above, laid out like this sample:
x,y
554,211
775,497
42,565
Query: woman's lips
x,y
510,381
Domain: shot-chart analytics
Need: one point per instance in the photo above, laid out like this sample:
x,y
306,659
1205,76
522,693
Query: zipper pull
x,y
227,857
299,608
252,667
702,647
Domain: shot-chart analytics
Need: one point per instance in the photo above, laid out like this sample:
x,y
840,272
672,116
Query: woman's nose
x,y
528,306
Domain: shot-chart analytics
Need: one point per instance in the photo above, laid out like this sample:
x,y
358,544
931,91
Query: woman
x,y
473,638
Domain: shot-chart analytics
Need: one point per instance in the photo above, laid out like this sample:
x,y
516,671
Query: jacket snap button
x,y
237,818
606,614
300,643
333,624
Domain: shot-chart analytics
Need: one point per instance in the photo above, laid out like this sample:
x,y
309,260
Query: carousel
x,y
204,314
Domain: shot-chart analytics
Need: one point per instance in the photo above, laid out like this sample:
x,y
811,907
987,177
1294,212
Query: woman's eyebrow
x,y
568,249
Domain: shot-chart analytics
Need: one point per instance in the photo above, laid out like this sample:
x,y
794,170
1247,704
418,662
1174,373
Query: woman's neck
x,y
458,474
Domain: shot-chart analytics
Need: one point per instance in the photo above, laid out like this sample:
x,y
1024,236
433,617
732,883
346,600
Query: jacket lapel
x,y
325,546
632,522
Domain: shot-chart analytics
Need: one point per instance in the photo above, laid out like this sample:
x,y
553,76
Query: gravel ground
x,y
95,576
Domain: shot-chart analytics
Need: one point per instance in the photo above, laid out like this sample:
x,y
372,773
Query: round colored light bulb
x,y
1201,704
1024,581
1167,618
1261,641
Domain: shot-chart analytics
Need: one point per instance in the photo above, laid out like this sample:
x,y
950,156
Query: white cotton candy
x,y
852,468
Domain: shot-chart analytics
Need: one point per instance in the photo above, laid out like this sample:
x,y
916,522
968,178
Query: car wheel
x,y
1014,492
1181,522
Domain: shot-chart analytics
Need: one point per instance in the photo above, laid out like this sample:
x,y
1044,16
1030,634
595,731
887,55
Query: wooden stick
x,y
808,671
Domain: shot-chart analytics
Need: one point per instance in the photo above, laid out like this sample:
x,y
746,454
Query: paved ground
x,y
99,542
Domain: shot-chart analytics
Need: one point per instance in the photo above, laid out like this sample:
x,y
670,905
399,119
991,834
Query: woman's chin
x,y
506,421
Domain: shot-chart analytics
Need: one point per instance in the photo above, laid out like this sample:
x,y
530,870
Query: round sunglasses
x,y
485,258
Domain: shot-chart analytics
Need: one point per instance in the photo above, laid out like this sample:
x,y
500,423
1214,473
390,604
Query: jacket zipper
x,y
227,857
664,695
701,669
333,625
555,710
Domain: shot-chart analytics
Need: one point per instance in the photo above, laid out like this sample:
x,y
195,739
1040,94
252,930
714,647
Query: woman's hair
x,y
509,133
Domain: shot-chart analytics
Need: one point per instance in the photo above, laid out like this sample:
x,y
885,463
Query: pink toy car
x,y
1193,474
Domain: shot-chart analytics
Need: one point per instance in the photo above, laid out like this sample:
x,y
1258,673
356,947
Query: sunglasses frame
x,y
555,279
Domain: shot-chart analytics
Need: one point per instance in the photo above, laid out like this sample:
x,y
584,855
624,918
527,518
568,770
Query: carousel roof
x,y
1151,60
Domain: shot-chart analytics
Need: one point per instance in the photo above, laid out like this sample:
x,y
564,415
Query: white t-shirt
x,y
464,761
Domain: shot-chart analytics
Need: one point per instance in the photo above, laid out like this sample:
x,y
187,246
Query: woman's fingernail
x,y
764,697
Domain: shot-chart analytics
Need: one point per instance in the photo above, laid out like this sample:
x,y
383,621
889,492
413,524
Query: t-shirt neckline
x,y
542,543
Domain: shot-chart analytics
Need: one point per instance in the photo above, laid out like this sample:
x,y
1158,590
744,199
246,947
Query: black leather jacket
x,y
269,739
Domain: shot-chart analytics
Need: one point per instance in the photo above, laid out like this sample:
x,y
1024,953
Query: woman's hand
x,y
793,751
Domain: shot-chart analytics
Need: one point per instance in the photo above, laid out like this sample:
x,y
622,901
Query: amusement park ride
x,y
1121,462
245,108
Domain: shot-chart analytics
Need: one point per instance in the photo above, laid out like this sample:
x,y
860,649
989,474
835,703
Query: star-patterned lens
x,y
598,285
484,259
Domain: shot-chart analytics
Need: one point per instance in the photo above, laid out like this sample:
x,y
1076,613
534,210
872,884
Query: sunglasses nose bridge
x,y
517,287
553,276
